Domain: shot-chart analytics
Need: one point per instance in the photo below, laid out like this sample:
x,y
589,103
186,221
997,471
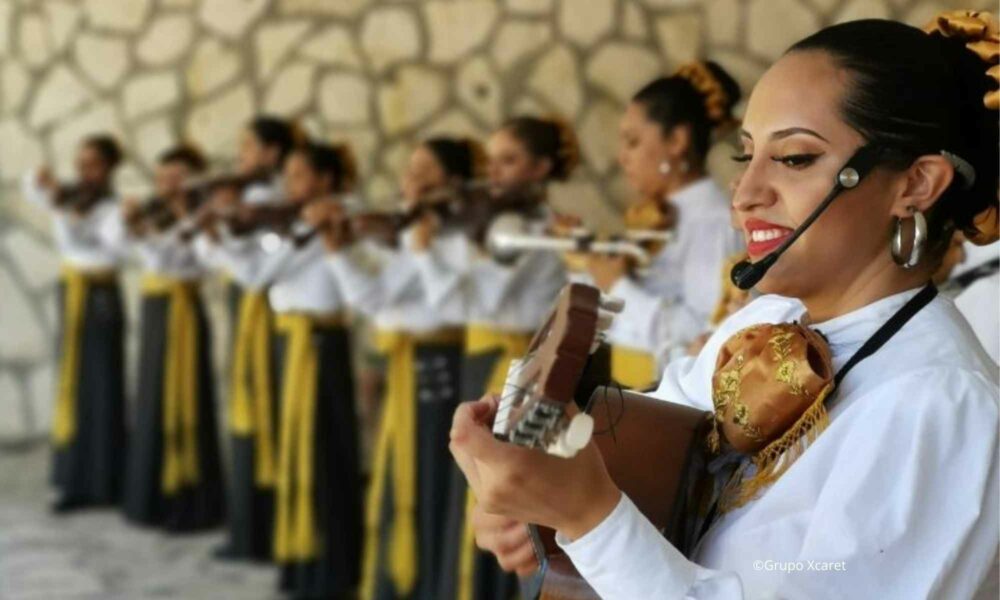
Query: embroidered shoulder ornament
x,y
768,392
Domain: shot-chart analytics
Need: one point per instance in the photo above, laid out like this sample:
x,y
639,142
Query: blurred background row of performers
x,y
411,303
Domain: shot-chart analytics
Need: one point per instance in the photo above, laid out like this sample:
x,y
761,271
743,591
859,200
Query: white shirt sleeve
x,y
909,512
443,269
34,193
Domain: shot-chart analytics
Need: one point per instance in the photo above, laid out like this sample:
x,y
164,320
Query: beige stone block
x,y
680,37
14,85
14,424
36,45
166,40
390,35
275,42
530,7
291,90
584,199
410,98
152,138
333,45
381,191
337,8
23,338
215,125
556,79
125,16
344,98
455,123
774,25
585,24
363,142
479,90
395,157
6,16
744,69
456,28
149,93
103,59
212,66
621,69
230,18
862,9
19,152
722,21
63,140
41,389
634,21
517,40
667,4
599,135
63,19
59,93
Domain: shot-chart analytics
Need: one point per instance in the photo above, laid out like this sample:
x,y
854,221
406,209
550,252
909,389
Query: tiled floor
x,y
95,555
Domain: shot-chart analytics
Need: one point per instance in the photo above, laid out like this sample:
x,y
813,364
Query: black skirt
x,y
196,506
335,571
89,469
437,395
251,507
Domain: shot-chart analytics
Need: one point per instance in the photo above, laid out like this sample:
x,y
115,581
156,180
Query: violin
x,y
79,197
471,206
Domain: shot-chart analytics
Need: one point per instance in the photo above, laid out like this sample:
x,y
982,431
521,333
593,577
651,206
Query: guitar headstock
x,y
542,385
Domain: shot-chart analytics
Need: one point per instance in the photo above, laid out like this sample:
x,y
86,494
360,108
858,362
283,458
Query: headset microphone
x,y
747,274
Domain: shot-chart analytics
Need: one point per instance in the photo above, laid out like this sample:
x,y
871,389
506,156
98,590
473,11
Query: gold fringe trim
x,y
777,457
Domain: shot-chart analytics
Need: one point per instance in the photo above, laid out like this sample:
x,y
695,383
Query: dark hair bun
x,y
916,94
551,138
462,158
718,90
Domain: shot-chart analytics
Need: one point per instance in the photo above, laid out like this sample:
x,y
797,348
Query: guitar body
x,y
634,431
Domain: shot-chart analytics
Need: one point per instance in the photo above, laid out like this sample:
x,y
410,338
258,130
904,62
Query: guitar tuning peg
x,y
574,437
612,304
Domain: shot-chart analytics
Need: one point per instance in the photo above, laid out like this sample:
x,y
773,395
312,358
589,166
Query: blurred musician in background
x,y
174,476
318,514
88,429
665,135
418,331
264,146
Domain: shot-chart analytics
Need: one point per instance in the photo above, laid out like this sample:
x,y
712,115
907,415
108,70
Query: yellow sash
x,y
294,528
480,339
250,410
397,441
633,369
180,383
76,289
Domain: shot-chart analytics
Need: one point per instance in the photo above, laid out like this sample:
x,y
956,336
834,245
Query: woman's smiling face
x,y
794,143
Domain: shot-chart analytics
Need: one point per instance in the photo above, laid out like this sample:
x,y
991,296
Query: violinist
x,y
419,332
665,134
88,433
264,146
507,301
174,477
315,471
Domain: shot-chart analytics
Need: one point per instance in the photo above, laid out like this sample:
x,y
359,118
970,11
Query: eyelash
x,y
793,161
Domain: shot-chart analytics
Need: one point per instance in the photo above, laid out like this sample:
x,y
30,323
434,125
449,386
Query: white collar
x,y
695,192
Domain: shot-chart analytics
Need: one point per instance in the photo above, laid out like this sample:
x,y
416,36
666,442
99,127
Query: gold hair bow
x,y
716,98
981,34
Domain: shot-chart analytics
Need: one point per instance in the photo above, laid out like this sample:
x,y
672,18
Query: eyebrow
x,y
783,133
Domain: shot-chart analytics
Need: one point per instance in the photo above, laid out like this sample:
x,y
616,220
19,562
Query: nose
x,y
751,189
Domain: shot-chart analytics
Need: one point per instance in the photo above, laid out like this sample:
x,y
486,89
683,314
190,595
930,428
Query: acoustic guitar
x,y
654,450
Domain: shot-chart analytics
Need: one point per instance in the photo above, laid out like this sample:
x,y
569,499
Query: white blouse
x,y
300,280
402,289
166,254
896,499
670,305
93,241
980,302
513,296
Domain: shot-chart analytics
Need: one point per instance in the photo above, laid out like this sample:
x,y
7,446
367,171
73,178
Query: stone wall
x,y
379,74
